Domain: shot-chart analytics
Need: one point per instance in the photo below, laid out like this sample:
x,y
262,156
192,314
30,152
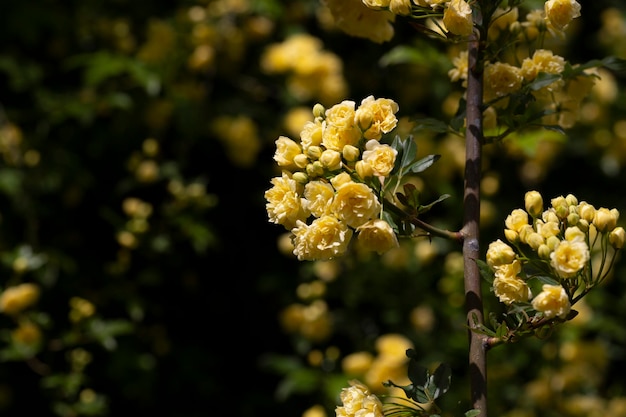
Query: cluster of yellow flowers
x,y
563,238
358,401
332,176
389,362
313,73
503,78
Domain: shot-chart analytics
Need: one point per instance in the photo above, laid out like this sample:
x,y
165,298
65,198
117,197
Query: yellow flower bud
x,y
364,169
552,241
319,111
616,237
586,211
300,177
350,153
604,220
331,160
315,169
340,179
534,240
544,251
533,203
561,207
572,219
550,216
301,161
524,232
583,225
511,235
571,200
314,152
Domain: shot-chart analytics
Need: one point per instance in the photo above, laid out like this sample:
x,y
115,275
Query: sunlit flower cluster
x,y
357,401
327,191
549,264
312,72
389,362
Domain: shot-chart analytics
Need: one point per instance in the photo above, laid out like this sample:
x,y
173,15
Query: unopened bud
x,y
340,179
301,161
350,153
511,235
571,200
572,219
314,152
604,220
544,251
586,211
331,160
315,169
300,177
552,241
319,111
616,237
364,169
534,240
533,203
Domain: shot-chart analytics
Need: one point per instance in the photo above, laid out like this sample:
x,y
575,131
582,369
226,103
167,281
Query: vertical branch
x,y
471,210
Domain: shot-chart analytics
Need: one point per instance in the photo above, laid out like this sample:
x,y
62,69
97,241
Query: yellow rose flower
x,y
356,19
376,116
380,157
569,257
355,203
560,13
357,400
457,17
510,289
377,235
516,220
376,4
17,298
325,238
284,204
459,72
339,128
552,301
311,134
286,151
499,253
501,79
319,196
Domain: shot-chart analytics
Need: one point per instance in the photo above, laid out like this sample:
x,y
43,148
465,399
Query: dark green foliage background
x,y
204,288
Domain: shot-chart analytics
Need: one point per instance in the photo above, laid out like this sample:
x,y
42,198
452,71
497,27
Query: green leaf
x,y
428,123
423,209
472,413
543,79
422,164
485,271
439,382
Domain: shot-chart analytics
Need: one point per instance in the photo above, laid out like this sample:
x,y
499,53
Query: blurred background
x,y
136,144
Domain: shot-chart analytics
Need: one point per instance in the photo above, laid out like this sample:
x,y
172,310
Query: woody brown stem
x,y
478,343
